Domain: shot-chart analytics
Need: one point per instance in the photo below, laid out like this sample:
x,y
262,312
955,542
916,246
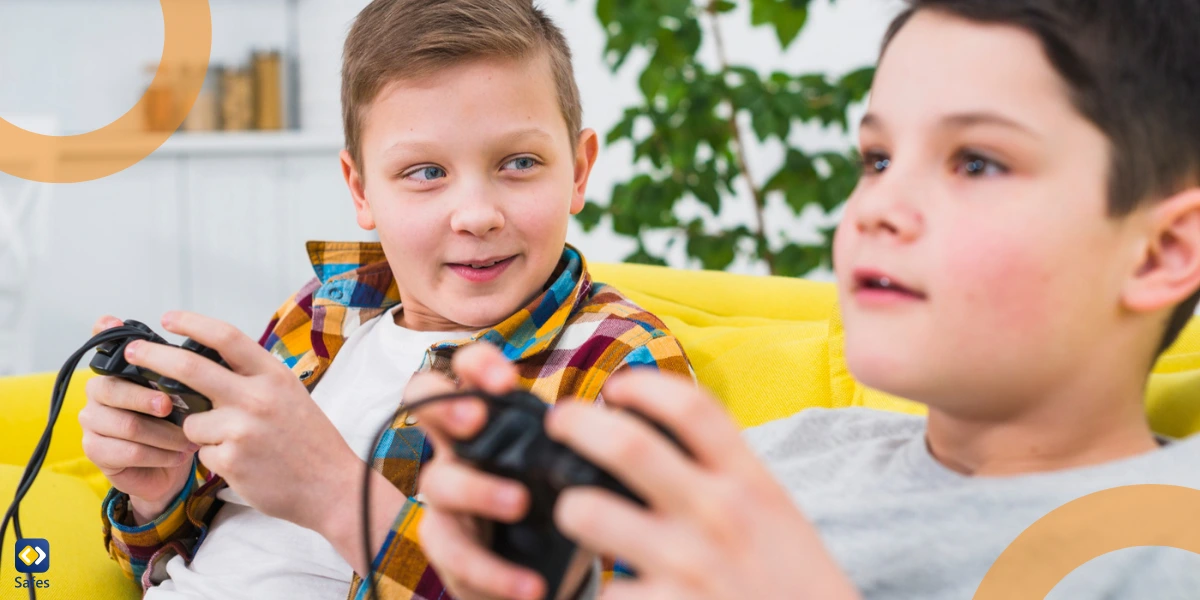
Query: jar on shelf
x,y
268,88
237,99
205,114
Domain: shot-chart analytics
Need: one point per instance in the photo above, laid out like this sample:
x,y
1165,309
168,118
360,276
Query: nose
x,y
477,213
885,208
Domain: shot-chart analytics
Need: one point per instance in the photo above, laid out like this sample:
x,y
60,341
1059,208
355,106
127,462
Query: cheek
x,y
998,283
540,212
407,228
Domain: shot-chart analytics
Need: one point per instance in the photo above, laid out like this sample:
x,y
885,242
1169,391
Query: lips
x,y
876,284
481,270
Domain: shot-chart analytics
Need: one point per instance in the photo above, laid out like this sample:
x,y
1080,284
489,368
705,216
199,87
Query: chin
x,y
889,372
485,312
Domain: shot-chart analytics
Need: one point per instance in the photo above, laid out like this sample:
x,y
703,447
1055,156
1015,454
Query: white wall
x,y
178,231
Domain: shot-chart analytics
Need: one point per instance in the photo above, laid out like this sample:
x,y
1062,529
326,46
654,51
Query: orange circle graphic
x,y
1090,527
187,41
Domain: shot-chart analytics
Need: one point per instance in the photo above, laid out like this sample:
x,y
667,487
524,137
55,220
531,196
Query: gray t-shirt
x,y
904,526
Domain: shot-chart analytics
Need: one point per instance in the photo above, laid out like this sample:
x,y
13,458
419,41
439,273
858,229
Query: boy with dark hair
x,y
1024,242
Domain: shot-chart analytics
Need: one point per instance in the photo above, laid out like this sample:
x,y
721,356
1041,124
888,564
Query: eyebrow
x,y
426,146
961,121
528,132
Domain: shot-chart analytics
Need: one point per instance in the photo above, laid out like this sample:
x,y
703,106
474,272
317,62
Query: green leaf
x,y
643,257
723,6
857,83
650,81
789,20
762,12
606,11
795,260
624,128
716,252
786,16
590,216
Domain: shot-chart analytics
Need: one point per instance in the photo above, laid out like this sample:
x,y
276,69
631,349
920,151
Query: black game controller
x,y
110,360
513,444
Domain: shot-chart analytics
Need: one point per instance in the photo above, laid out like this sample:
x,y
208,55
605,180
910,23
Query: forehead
x,y
940,63
483,91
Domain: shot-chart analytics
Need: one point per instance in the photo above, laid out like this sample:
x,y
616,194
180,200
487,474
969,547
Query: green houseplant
x,y
691,129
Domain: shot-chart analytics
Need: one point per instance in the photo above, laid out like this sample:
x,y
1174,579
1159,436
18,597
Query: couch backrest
x,y
770,346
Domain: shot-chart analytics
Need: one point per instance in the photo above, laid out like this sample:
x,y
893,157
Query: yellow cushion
x,y
770,346
24,407
767,347
64,511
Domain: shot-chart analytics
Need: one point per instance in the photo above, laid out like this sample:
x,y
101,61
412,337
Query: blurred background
x,y
727,131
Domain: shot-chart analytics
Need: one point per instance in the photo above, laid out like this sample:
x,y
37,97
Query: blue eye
x,y
427,174
974,165
874,163
523,163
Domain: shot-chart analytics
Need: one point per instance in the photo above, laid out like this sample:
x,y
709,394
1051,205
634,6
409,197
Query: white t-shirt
x,y
250,555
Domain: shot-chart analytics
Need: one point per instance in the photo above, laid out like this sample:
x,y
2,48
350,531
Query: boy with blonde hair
x,y
465,151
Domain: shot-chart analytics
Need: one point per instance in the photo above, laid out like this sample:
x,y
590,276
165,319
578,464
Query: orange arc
x,y
187,41
1090,527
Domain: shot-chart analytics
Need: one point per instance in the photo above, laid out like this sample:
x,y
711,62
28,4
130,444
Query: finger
x,y
608,524
483,366
114,454
692,416
219,458
464,560
216,426
202,375
457,488
134,427
118,393
458,419
243,354
631,450
104,323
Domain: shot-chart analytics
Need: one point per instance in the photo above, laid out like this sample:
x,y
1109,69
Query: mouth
x,y
876,284
483,264
482,270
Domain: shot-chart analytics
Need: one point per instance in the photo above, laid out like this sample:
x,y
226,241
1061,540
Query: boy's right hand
x,y
140,453
458,496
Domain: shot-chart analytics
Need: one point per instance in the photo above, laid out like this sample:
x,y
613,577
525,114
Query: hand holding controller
x,y
513,444
110,361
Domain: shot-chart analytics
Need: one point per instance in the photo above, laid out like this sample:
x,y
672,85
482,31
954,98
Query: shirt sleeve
x,y
136,547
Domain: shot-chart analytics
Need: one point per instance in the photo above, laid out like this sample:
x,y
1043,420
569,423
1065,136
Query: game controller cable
x,y
57,398
512,444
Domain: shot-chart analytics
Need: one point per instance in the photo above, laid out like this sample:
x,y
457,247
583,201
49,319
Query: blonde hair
x,y
393,40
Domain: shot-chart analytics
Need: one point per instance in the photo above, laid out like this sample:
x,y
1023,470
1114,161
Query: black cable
x,y
370,578
57,399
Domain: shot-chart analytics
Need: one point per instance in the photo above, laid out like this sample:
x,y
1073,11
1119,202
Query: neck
x,y
1063,430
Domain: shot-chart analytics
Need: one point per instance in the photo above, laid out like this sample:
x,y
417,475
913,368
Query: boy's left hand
x,y
718,524
265,436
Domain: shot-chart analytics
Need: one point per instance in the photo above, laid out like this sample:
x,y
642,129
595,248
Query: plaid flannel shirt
x,y
565,343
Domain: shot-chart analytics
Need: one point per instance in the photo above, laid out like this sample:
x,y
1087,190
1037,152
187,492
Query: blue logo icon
x,y
33,555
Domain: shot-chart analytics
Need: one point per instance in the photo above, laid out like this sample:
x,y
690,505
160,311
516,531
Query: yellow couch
x,y
767,347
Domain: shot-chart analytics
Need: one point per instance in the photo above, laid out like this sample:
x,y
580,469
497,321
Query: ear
x,y
1170,269
357,185
585,158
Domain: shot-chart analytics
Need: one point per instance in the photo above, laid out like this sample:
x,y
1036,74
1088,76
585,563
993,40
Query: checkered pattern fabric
x,y
565,344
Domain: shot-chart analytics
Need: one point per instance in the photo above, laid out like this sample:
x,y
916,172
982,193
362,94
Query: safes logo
x,y
33,555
